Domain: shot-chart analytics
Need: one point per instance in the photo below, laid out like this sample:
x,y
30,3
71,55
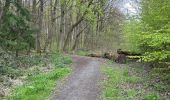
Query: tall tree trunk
x,y
52,26
61,35
19,2
70,31
34,20
38,46
77,37
75,25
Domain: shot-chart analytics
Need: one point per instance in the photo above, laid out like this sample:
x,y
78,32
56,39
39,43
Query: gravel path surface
x,y
83,83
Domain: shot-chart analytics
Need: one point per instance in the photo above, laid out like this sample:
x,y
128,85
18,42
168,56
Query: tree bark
x,y
75,25
61,35
38,46
52,22
77,37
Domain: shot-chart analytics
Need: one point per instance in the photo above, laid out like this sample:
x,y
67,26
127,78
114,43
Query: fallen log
x,y
95,55
108,56
121,56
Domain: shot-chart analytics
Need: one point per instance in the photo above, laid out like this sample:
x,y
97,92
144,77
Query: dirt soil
x,y
83,83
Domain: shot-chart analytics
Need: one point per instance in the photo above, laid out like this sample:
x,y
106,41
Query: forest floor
x,y
83,84
35,78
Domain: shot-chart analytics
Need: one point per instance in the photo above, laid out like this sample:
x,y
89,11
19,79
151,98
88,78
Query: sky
x,y
127,6
130,8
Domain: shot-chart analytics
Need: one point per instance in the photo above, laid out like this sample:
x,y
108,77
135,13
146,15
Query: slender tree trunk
x,y
74,26
19,2
70,31
61,36
38,46
77,37
52,22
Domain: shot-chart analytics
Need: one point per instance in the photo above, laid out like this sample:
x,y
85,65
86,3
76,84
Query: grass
x,y
40,86
82,53
125,83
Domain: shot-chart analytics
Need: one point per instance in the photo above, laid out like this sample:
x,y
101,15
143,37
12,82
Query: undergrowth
x,y
39,84
39,87
82,53
12,66
127,83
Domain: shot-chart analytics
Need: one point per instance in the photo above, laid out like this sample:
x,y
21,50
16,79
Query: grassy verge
x,y
82,53
39,87
39,84
129,83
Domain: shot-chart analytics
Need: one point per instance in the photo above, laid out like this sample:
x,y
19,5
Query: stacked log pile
x,y
120,57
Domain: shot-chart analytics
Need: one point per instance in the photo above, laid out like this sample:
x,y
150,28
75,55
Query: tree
x,y
64,24
153,39
16,33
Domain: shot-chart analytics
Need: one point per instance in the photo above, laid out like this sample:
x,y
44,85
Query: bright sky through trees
x,y
128,6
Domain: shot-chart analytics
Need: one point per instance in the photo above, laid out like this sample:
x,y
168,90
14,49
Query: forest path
x,y
83,83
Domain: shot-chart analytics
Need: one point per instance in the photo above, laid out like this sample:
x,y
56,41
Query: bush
x,y
60,60
150,34
12,66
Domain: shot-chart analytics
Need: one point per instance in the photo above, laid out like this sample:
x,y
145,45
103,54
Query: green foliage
x,y
150,34
39,86
60,60
114,85
13,67
166,77
155,41
82,52
8,66
132,83
152,97
15,31
132,35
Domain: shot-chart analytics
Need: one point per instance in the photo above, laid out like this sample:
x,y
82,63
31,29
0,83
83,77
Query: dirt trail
x,y
83,84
